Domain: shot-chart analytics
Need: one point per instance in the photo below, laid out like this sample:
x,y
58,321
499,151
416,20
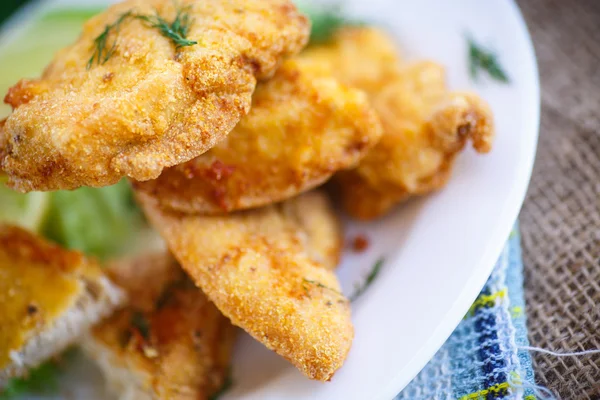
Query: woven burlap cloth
x,y
560,221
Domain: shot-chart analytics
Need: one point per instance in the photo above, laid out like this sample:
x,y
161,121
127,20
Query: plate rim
x,y
500,234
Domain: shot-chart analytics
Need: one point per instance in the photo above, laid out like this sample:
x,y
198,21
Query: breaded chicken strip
x,y
49,298
425,125
303,127
259,269
170,342
360,56
148,85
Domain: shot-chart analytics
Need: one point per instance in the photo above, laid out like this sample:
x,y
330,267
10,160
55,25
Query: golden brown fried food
x,y
49,297
425,125
322,232
303,127
362,57
259,270
125,100
170,342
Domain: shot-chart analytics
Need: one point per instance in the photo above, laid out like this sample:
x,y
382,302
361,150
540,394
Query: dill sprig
x,y
102,51
175,31
326,21
360,289
483,59
319,285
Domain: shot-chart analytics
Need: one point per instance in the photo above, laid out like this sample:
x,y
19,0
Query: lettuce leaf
x,y
26,210
99,222
41,380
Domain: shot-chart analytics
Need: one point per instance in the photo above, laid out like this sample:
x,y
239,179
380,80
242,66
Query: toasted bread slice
x,y
49,297
260,270
170,342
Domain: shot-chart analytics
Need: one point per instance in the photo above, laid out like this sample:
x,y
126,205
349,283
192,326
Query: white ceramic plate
x,y
438,251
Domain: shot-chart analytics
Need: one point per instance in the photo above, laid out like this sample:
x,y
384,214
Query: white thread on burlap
x,y
540,392
556,354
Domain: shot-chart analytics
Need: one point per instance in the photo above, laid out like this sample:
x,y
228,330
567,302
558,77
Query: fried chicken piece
x,y
170,342
303,127
260,270
127,100
49,297
361,57
425,125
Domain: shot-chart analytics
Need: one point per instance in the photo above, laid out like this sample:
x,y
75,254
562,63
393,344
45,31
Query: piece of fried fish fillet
x,y
265,274
425,126
303,127
49,298
149,84
169,342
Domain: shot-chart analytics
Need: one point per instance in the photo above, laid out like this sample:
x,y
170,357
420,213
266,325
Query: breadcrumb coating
x,y
302,128
260,270
149,104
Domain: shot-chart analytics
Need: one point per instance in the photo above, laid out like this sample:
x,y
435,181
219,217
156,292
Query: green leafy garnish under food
x,y
370,279
175,31
325,23
326,20
483,59
42,380
99,222
25,210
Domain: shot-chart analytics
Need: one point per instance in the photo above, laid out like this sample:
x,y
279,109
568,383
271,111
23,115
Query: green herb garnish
x,y
370,279
42,380
175,31
325,23
102,50
141,324
482,59
227,384
319,285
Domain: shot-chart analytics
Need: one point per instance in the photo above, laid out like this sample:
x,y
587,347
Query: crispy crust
x,y
425,125
256,266
150,105
185,353
302,128
49,297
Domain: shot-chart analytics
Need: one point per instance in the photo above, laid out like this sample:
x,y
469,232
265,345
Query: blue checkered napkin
x,y
481,359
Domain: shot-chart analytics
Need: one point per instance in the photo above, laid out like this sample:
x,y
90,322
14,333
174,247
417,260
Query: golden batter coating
x,y
170,342
49,297
134,102
425,125
259,270
360,56
303,127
